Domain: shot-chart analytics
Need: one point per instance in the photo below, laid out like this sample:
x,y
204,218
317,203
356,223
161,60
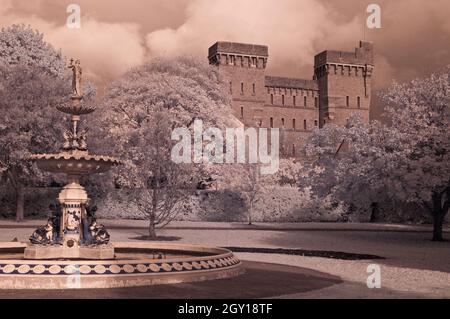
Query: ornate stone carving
x,y
76,77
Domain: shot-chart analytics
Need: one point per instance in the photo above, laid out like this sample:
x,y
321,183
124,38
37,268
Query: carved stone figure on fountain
x,y
55,215
76,77
73,221
44,234
75,141
87,215
81,140
99,234
68,140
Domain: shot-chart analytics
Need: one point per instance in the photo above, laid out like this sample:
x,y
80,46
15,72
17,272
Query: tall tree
x,y
405,162
420,113
140,111
33,80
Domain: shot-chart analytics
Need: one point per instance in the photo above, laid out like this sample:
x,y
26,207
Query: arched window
x,y
271,122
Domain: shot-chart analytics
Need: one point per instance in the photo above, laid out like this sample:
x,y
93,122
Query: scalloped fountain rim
x,y
68,156
214,263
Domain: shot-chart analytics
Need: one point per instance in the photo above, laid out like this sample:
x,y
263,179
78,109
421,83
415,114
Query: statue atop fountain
x,y
76,78
73,232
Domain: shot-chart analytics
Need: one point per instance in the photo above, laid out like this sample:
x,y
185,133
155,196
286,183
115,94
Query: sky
x,y
116,35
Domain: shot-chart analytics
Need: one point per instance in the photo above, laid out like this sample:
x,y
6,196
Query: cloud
x,y
295,30
105,49
117,35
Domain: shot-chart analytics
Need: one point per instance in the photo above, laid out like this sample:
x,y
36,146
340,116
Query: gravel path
x,y
413,265
395,282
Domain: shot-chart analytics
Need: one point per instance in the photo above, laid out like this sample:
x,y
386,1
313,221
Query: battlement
x,y
291,83
238,54
239,49
363,55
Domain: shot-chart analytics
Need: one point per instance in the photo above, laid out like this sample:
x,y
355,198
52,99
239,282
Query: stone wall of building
x,y
341,86
344,81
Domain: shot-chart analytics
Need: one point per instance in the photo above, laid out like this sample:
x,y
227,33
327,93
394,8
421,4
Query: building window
x,y
293,124
282,122
359,102
293,100
282,100
231,87
347,101
315,122
271,122
316,102
271,99
305,102
242,112
305,127
254,89
242,87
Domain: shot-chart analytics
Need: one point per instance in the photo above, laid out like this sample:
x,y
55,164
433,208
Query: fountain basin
x,y
134,264
74,164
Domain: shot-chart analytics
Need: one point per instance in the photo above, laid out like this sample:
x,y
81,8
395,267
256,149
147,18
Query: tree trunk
x,y
249,214
152,231
373,213
438,221
439,208
20,203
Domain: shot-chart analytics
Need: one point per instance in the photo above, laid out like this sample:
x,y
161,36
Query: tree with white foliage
x,y
407,161
420,113
139,113
33,81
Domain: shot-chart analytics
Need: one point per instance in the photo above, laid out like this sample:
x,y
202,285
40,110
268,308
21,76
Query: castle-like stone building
x,y
341,85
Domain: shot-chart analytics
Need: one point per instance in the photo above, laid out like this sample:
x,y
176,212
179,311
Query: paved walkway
x,y
143,224
413,265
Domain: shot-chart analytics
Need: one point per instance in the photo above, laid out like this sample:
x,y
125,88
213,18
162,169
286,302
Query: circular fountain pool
x,y
134,264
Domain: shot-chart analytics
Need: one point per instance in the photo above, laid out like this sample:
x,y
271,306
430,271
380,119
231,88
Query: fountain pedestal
x,y
73,199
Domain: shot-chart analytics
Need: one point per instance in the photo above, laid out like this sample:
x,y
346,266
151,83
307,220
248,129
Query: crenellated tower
x,y
243,67
344,80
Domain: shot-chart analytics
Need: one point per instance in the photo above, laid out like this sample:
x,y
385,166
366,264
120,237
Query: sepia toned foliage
x,y
139,113
33,81
367,165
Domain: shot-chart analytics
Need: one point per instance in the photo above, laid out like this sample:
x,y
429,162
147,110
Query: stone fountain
x,y
72,251
73,232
